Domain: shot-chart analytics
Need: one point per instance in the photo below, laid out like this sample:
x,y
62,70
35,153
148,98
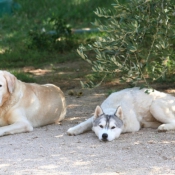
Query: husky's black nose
x,y
104,136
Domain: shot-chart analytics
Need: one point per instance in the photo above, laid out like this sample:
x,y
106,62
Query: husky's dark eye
x,y
0,85
113,127
101,126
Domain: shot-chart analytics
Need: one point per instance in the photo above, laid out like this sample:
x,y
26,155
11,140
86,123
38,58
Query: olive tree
x,y
139,40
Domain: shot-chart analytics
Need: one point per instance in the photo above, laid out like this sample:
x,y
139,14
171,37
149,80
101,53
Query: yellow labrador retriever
x,y
27,105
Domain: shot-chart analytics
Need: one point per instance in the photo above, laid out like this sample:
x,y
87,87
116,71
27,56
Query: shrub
x,y
59,38
139,42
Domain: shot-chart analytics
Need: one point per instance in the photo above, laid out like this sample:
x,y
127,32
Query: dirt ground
x,y
50,151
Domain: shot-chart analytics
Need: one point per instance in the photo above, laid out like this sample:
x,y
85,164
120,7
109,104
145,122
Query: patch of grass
x,y
23,76
18,55
34,15
18,59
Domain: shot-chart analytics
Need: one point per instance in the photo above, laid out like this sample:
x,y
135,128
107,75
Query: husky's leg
x,y
153,125
81,128
162,112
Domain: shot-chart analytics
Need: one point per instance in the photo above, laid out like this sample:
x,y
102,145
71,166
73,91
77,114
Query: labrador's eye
x,y
113,127
0,85
101,126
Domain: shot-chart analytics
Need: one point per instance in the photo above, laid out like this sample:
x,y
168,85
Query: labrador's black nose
x,y
104,136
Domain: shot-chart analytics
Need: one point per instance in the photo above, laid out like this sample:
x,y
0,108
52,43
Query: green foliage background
x,y
139,42
23,42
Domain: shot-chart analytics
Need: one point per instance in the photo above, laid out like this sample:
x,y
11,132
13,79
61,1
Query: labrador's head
x,y
7,85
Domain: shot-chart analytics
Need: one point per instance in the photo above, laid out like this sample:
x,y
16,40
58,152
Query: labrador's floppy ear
x,y
10,78
119,112
98,112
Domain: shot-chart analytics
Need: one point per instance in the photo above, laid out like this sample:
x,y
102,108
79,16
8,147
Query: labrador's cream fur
x,y
27,105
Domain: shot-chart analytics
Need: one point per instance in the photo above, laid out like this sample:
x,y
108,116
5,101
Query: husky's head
x,y
107,127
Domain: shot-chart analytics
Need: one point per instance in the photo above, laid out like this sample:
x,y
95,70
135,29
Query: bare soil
x,y
49,150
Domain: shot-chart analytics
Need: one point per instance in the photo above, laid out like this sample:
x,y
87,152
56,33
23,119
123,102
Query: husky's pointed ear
x,y
98,111
10,81
119,112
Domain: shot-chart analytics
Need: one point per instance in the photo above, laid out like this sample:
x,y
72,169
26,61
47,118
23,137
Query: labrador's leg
x,y
162,112
18,127
81,128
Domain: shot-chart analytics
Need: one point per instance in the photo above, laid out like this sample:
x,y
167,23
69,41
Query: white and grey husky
x,y
127,111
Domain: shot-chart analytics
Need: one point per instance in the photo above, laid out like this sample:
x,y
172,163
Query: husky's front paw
x,y
72,131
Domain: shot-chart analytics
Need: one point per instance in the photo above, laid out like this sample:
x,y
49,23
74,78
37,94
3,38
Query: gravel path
x,y
49,150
